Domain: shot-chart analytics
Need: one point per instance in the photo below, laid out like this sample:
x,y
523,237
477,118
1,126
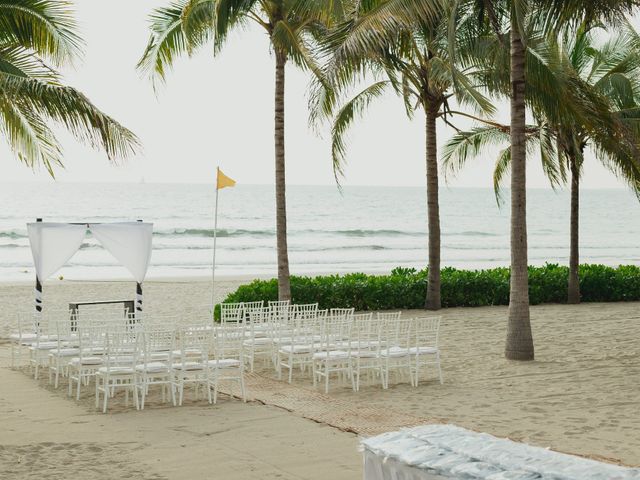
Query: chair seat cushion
x,y
160,356
44,346
257,341
225,363
153,367
423,350
64,352
116,371
189,352
364,353
296,349
331,355
187,366
395,352
23,337
86,361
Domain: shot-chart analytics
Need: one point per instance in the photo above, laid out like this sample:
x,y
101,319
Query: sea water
x,y
368,229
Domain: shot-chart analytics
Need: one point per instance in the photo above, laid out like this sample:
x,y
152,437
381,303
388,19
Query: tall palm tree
x,y
594,104
417,64
552,14
291,26
36,37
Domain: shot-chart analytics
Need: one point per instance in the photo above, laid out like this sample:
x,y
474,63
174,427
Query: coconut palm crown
x,y
292,27
415,63
36,38
594,105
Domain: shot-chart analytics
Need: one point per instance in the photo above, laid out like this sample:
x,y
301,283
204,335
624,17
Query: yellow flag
x,y
223,181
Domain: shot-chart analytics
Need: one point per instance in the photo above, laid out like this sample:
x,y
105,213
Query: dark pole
x,y
139,296
38,292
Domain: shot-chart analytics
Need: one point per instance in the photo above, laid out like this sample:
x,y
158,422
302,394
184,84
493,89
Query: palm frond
x,y
344,119
45,27
71,109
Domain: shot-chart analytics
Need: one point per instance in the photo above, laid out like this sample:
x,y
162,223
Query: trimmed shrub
x,y
405,288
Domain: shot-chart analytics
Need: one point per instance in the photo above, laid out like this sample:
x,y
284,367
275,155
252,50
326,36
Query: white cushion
x,y
189,352
64,352
44,346
296,349
423,350
159,356
364,353
23,337
395,352
225,363
152,367
188,366
331,355
116,370
257,341
86,361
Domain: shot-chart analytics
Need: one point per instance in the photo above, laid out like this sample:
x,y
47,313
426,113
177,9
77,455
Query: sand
x,y
581,395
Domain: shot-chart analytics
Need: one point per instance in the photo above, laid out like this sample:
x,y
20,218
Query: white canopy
x,y
53,244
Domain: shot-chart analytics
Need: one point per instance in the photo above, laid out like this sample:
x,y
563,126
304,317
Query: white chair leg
x,y
242,388
106,396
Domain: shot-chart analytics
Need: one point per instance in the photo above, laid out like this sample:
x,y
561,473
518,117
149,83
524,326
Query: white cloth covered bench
x,y
436,452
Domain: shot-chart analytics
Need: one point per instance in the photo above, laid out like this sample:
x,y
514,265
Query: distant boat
x,y
142,181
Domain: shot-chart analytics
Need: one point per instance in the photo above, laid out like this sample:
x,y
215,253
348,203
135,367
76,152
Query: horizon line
x,y
442,186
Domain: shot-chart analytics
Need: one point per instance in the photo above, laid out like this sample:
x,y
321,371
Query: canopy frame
x,y
128,242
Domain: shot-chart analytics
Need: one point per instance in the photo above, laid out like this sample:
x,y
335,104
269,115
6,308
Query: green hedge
x,y
406,288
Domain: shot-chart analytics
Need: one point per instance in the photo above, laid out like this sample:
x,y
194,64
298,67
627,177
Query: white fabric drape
x,y
129,242
53,244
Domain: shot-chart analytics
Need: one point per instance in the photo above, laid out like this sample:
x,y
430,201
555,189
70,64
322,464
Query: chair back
x,y
231,313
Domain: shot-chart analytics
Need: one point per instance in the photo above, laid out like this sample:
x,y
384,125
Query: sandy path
x,y
44,434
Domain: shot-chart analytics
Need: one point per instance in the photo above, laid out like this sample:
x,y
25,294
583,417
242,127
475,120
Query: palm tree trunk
x,y
574,249
284,287
519,344
432,301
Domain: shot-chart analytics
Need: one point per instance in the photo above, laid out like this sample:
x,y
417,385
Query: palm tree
x,y
594,104
292,26
36,37
417,64
551,14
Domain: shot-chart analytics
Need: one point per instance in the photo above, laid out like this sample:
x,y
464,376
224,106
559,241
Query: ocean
x,y
364,229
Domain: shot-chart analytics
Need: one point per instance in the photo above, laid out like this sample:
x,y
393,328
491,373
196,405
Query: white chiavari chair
x,y
298,349
250,307
155,361
258,342
334,353
306,311
395,355
365,346
118,370
91,351
280,310
342,312
231,313
423,347
46,340
66,349
190,361
25,336
227,364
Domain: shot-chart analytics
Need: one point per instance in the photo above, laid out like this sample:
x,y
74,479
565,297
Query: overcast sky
x,y
219,111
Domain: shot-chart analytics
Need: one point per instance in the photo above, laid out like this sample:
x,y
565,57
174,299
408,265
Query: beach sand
x,y
581,395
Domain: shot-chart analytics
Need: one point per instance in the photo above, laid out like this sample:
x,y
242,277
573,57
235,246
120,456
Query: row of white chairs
x,y
337,342
124,353
321,343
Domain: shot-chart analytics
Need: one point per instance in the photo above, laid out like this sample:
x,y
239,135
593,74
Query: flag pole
x,y
215,241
